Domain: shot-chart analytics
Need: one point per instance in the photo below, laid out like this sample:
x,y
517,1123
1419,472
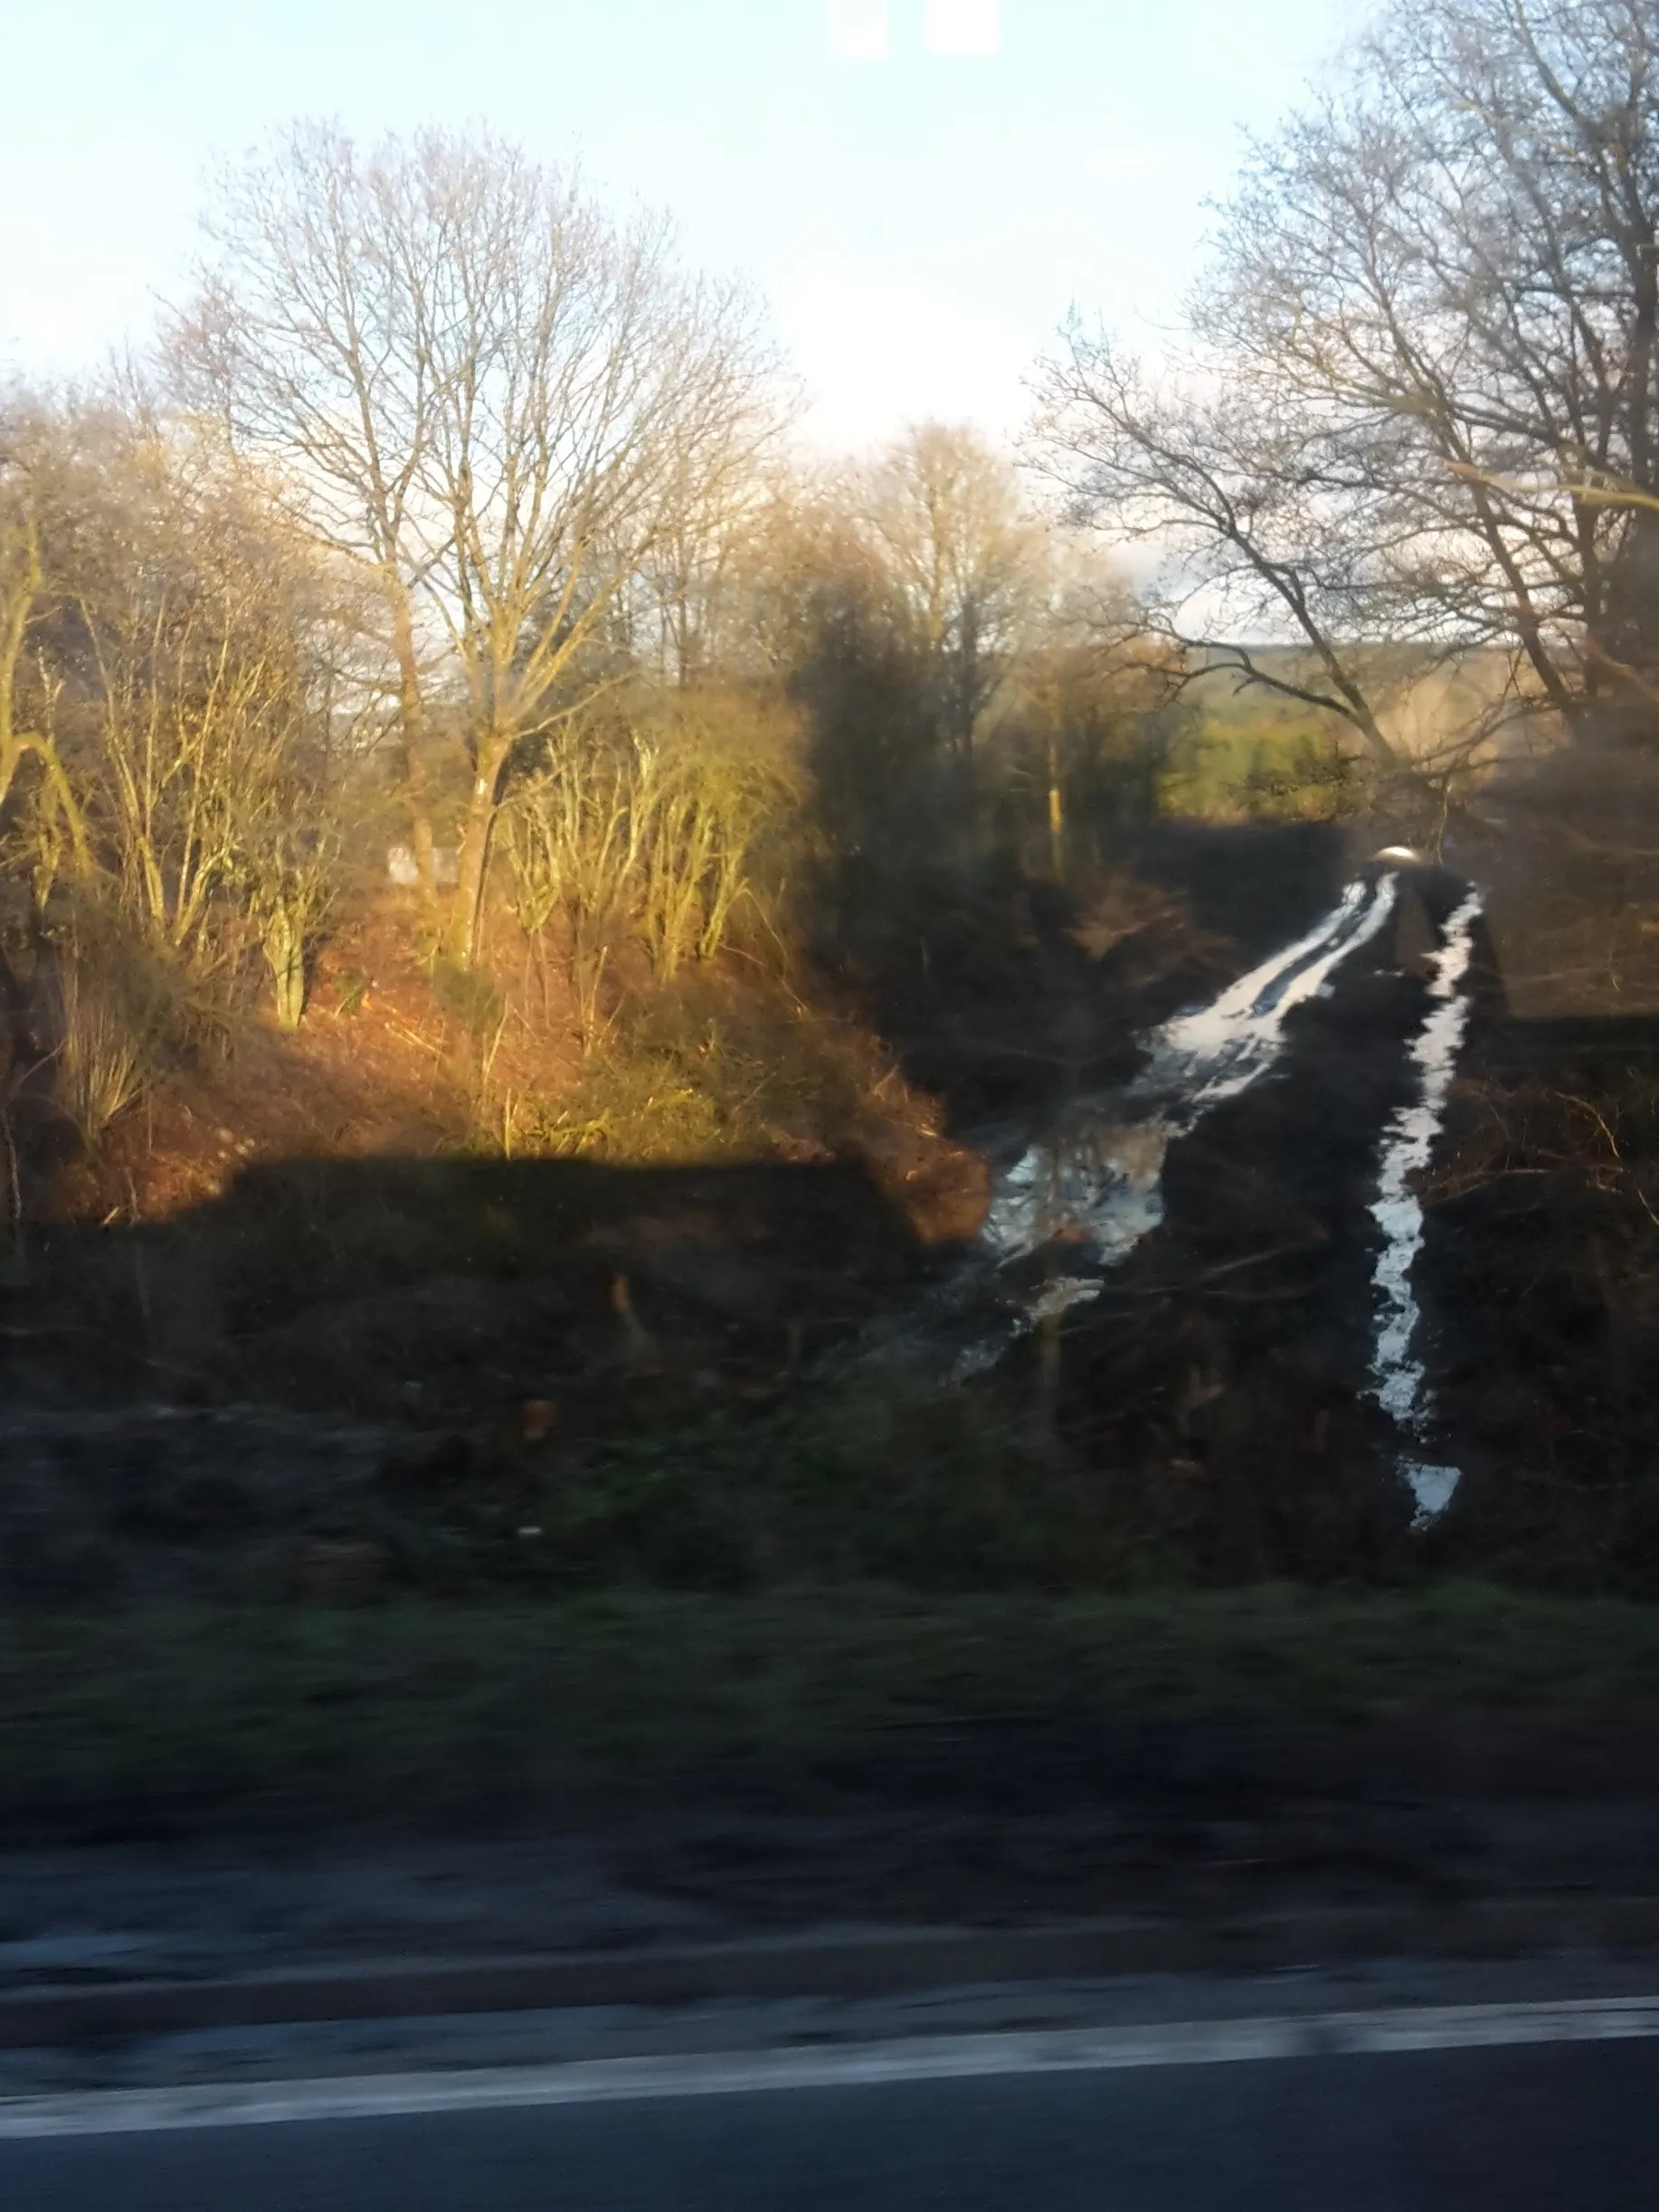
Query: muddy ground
x,y
342,1376
626,1769
411,1552
1191,1830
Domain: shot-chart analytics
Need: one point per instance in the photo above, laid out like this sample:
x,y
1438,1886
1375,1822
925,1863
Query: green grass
x,y
1263,761
417,1714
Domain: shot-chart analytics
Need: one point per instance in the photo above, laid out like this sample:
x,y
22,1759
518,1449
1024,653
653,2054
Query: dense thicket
x,y
457,517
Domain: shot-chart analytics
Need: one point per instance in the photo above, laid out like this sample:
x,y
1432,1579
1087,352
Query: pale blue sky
x,y
919,223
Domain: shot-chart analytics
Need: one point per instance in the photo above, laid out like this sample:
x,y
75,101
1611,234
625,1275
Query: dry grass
x,y
649,828
103,1061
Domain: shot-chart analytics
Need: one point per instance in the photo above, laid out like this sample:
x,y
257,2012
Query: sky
x,y
920,188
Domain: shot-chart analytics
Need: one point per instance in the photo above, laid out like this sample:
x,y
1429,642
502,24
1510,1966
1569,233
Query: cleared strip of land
x,y
441,1715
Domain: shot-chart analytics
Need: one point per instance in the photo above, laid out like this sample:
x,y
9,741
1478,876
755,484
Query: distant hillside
x,y
1251,751
1420,703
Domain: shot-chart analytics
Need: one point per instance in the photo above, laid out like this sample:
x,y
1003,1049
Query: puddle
x,y
1399,1381
1090,1191
1098,1184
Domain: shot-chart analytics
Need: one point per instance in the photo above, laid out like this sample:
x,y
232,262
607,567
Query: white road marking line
x,y
850,2065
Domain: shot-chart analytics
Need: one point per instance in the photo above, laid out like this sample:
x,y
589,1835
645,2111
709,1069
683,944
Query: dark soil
x,y
1145,1730
339,1376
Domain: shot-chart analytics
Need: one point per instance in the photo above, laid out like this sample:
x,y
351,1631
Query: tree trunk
x,y
1056,812
1624,643
472,860
412,725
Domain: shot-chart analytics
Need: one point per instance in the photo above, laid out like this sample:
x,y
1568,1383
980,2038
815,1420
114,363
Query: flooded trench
x,y
1085,1193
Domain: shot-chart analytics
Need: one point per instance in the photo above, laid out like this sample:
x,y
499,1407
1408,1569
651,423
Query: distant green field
x,y
1251,753
1252,757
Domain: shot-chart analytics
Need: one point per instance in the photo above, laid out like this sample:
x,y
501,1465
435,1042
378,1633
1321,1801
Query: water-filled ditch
x,y
1084,1194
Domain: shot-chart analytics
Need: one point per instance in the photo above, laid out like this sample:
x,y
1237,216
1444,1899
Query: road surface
x,y
1569,2126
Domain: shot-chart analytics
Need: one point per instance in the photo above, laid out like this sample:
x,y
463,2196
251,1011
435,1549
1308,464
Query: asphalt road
x,y
1570,2127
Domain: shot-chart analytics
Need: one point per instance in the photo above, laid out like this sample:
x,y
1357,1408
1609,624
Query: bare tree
x,y
689,614
186,636
1085,717
960,550
498,399
304,344
1232,502
916,607
27,736
1424,407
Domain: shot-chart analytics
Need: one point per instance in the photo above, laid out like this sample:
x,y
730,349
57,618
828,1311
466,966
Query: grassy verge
x,y
425,1714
